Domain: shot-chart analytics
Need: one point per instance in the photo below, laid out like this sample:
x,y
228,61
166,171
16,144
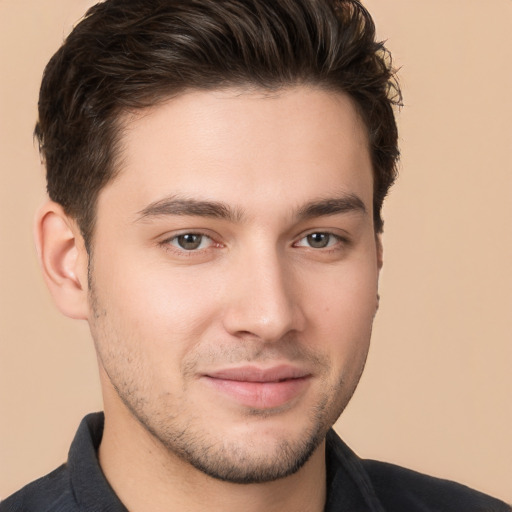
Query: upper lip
x,y
256,374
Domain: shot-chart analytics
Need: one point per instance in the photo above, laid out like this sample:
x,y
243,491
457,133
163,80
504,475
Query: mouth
x,y
260,388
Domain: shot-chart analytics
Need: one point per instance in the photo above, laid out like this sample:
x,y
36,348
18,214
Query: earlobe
x,y
63,259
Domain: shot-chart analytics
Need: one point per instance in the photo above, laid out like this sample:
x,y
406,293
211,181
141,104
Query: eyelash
x,y
167,243
338,240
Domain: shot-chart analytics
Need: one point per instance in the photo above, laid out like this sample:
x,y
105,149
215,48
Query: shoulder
x,y
400,489
49,493
391,488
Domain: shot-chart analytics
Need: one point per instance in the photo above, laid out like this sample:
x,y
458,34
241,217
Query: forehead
x,y
247,148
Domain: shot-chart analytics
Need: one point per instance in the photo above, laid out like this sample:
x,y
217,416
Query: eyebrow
x,y
191,207
347,203
173,205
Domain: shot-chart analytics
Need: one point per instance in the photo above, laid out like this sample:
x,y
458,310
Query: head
x,y
217,171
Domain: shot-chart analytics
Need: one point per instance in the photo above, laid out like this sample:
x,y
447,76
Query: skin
x,y
238,234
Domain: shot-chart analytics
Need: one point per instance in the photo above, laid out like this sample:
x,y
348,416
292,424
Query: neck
x,y
146,476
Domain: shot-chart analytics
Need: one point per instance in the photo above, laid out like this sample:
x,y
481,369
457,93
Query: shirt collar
x,y
348,485
90,487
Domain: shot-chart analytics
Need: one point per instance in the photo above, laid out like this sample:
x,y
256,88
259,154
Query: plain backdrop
x,y
437,392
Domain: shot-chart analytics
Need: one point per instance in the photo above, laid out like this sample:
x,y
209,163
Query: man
x,y
216,173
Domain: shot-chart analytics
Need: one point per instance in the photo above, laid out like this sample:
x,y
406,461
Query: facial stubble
x,y
222,458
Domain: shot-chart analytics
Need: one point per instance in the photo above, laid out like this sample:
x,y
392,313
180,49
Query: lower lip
x,y
260,395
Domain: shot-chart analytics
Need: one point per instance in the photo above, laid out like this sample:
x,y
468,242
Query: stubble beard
x,y
230,460
234,460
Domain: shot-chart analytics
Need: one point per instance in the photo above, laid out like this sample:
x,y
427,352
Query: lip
x,y
260,388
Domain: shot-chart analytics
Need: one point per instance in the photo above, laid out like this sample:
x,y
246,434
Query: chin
x,y
249,461
261,447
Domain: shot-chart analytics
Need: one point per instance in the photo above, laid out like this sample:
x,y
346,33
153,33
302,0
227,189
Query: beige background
x,y
437,392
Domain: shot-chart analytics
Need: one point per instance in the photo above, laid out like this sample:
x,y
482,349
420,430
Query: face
x,y
234,275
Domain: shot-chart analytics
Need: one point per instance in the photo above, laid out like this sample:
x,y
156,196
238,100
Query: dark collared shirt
x,y
353,485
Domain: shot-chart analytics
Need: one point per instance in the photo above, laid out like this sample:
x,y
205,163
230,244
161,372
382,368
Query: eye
x,y
190,241
318,240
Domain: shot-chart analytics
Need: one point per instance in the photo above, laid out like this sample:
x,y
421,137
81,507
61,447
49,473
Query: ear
x,y
63,259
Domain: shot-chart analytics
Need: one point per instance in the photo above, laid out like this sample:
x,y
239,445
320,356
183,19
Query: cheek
x,y
342,313
160,308
143,332
348,296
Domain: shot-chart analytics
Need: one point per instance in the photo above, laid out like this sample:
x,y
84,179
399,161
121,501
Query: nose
x,y
264,299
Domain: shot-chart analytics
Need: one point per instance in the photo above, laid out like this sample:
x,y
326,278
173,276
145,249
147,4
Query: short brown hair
x,y
132,54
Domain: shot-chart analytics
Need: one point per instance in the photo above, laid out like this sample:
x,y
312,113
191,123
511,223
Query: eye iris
x,y
318,240
190,241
